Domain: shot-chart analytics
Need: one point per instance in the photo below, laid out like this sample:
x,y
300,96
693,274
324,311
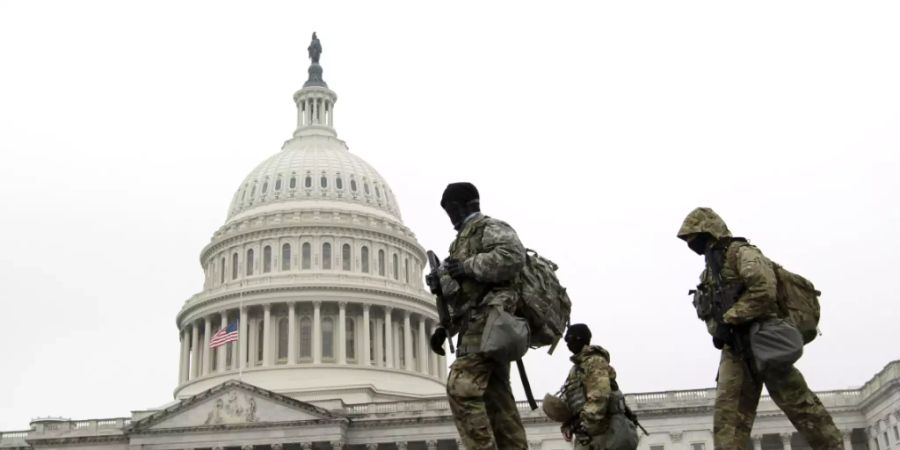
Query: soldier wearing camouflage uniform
x,y
484,259
587,391
744,271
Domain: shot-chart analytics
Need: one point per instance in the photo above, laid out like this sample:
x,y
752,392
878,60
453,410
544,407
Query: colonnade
x,y
311,332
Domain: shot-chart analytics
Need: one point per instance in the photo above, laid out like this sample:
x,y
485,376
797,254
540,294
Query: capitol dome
x,y
313,285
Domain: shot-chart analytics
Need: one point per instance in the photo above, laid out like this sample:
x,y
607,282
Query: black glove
x,y
724,335
455,268
437,340
433,280
718,343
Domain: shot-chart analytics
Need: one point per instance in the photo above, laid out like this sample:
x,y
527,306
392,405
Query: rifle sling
x,y
526,385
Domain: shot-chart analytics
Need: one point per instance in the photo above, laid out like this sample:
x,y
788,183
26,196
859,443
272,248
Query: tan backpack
x,y
798,301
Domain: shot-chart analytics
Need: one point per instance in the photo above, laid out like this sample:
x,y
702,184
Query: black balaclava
x,y
459,201
577,337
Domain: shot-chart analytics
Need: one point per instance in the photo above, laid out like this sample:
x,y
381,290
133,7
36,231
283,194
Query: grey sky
x,y
125,129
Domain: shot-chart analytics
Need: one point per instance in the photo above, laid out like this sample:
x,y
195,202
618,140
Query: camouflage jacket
x,y
588,387
492,256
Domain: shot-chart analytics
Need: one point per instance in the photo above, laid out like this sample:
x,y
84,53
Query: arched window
x,y
345,257
282,339
377,192
326,256
406,269
396,267
364,259
267,259
366,188
415,349
328,338
222,272
265,186
253,191
381,262
286,257
350,330
249,262
353,185
293,183
234,266
260,339
339,183
244,194
307,257
372,334
323,182
278,184
307,182
305,338
401,347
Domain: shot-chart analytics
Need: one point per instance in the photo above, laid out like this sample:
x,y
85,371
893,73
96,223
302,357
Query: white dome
x,y
314,168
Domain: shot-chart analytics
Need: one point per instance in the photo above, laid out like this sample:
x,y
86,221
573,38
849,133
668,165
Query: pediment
x,y
232,403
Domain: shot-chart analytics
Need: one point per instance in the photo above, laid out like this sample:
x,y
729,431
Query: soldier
x,y
484,259
592,396
738,270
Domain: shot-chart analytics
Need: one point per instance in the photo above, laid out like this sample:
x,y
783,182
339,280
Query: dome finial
x,y
315,70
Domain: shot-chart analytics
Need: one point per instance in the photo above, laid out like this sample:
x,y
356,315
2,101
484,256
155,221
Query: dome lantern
x,y
315,102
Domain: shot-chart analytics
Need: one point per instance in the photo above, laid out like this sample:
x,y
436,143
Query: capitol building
x,y
322,282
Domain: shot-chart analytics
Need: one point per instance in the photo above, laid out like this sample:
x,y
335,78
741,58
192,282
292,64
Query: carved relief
x,y
233,407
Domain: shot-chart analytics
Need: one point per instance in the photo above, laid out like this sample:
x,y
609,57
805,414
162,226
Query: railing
x,y
10,435
55,425
414,406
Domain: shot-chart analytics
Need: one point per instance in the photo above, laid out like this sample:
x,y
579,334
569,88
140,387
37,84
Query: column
x,y
435,361
306,446
846,434
276,446
757,442
366,356
317,332
220,350
342,333
315,103
372,446
423,347
431,445
267,335
388,338
442,364
337,445
182,367
207,354
243,338
407,342
292,333
195,350
786,441
246,447
252,345
401,445
331,114
379,342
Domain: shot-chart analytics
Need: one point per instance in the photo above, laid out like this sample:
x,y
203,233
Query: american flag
x,y
225,335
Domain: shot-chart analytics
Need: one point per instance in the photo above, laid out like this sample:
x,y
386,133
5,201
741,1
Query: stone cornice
x,y
342,422
193,305
104,438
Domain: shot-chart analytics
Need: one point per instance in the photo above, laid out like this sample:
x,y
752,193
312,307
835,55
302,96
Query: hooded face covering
x,y
702,226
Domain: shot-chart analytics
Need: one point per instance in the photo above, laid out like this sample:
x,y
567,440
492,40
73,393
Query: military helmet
x,y
703,220
556,409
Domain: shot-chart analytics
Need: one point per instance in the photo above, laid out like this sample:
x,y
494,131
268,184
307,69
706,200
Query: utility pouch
x,y
505,336
776,344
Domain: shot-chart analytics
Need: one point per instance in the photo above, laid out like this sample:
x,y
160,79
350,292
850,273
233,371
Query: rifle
x,y
443,310
723,298
630,415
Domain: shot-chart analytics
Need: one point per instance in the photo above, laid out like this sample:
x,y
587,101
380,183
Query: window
x,y
366,188
222,272
305,338
265,187
353,185
415,348
345,257
249,262
328,338
406,269
286,257
364,259
234,266
244,194
306,250
396,267
657,447
877,444
350,330
326,256
267,259
377,192
260,338
887,442
253,191
229,355
323,181
372,331
401,347
381,262
896,433
283,338
307,182
278,184
293,182
698,446
339,183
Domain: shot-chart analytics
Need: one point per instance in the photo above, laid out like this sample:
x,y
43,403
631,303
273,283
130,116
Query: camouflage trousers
x,y
737,396
483,405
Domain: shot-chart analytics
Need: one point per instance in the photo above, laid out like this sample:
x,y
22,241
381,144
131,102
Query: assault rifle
x,y
630,415
443,310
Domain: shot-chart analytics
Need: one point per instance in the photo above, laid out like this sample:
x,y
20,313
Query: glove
x,y
718,343
455,268
724,335
433,280
437,340
566,432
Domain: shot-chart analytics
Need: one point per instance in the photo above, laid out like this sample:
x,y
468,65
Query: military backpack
x,y
798,302
544,301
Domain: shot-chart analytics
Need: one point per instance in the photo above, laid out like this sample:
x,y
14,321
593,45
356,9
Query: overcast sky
x,y
125,129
